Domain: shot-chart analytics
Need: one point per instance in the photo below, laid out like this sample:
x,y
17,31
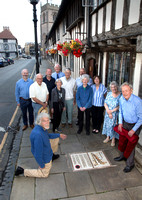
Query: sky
x,y
18,16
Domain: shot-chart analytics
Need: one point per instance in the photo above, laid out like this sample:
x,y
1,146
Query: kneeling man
x,y
43,147
130,123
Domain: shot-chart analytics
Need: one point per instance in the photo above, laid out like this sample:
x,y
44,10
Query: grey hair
x,y
57,80
85,76
128,84
24,70
67,69
113,83
57,64
40,116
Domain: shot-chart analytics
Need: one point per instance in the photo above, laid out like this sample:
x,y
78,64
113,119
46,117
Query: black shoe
x,y
120,158
55,156
128,169
19,171
87,133
78,132
77,123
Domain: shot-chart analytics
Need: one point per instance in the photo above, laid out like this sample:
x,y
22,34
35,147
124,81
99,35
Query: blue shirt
x,y
98,95
40,145
79,82
22,89
84,97
131,111
60,74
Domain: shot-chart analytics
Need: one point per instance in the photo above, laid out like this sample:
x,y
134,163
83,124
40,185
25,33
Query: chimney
x,y
6,28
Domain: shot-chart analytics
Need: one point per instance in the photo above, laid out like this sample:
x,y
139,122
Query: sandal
x,y
106,140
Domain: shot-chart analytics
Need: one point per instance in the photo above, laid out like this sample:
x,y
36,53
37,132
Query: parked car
x,y
24,56
29,57
9,60
3,62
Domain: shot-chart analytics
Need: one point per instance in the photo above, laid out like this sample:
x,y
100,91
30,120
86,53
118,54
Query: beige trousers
x,y
43,173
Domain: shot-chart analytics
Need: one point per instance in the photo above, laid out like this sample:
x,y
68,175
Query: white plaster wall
x,y
138,65
119,14
104,67
100,21
93,24
134,11
82,29
108,16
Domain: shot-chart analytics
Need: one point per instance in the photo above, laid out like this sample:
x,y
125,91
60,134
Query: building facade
x,y
8,44
47,18
111,31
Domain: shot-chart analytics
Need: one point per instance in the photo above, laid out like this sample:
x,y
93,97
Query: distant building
x,y
30,48
47,18
8,43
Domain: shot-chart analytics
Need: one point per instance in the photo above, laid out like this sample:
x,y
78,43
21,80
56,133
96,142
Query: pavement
x,y
63,183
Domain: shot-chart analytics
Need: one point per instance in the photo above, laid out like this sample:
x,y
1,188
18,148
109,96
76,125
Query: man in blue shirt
x,y
23,100
43,147
57,74
130,118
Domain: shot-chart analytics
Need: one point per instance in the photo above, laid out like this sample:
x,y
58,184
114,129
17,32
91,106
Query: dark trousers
x,y
56,115
27,106
127,145
97,117
87,119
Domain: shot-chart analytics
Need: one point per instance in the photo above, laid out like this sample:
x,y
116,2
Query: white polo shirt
x,y
69,86
39,91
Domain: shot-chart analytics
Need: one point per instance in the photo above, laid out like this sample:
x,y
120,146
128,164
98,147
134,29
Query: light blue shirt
x,y
131,111
22,89
98,95
60,74
79,82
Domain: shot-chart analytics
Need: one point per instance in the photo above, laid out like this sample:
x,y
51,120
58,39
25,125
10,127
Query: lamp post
x,y
34,2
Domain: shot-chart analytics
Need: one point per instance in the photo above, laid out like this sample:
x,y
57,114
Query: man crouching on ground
x,y
43,147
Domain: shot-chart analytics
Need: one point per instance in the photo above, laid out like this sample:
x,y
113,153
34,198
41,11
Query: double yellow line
x,y
11,121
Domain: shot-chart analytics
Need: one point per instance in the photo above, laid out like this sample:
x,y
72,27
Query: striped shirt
x,y
98,95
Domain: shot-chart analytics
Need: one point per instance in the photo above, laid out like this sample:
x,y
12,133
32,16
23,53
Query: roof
x,y
62,10
6,34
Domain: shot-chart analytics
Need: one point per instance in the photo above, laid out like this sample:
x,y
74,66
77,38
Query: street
x,y
9,75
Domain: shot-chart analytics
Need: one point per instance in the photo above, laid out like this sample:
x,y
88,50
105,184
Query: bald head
x,y
57,68
39,78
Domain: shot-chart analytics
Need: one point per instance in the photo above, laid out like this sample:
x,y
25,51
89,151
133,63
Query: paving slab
x,y
25,152
26,142
76,198
27,132
27,163
60,165
115,195
70,139
93,142
71,148
50,188
79,183
23,188
113,178
135,193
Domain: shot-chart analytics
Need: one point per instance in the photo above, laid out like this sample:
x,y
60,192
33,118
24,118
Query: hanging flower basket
x,y
59,46
66,49
51,51
77,47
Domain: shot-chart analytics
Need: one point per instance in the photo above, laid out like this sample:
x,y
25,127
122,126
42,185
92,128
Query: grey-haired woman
x,y
57,104
111,115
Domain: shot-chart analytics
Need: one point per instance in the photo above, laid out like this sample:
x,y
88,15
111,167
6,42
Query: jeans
x,y
69,110
36,108
27,106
